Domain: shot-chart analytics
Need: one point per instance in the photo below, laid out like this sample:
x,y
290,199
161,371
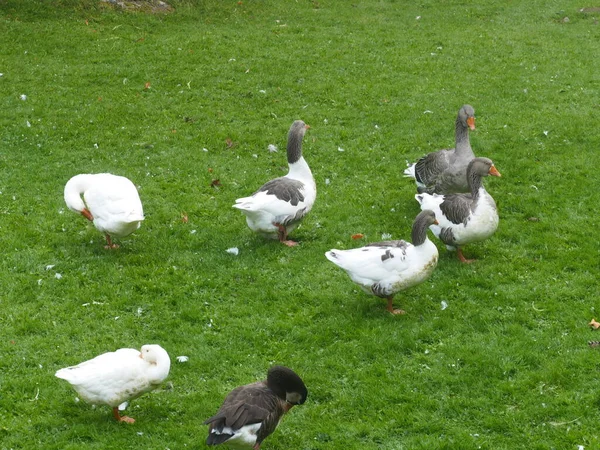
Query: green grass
x,y
505,366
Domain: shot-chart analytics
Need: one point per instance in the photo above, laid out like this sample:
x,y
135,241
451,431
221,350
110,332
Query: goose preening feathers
x,y
386,268
280,204
111,202
117,377
444,171
250,413
464,218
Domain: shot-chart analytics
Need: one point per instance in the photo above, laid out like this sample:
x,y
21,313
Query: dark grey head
x,y
419,229
287,385
482,167
466,116
294,144
425,217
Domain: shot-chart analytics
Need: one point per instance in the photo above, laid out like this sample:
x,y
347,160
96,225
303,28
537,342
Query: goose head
x,y
287,385
466,116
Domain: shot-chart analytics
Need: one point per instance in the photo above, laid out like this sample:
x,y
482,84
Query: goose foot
x,y
282,235
392,310
462,258
121,418
110,245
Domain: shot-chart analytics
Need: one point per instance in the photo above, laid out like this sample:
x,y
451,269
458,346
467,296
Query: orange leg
x,y
121,418
110,244
390,307
462,257
282,235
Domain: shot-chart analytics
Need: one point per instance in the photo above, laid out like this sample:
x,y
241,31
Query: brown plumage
x,y
252,412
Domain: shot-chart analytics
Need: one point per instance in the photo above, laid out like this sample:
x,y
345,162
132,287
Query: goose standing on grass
x,y
444,171
116,377
280,204
465,218
250,413
386,268
111,202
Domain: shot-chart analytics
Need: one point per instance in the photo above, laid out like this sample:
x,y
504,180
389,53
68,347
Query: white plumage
x,y
111,202
280,204
464,218
388,267
117,377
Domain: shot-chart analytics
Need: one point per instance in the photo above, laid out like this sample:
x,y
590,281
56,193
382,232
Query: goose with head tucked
x,y
465,218
386,268
444,171
252,412
280,204
117,377
110,202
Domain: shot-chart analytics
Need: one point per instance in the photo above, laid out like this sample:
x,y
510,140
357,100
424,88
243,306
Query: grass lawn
x,y
176,101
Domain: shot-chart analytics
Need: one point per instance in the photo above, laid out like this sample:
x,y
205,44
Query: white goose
x,y
444,171
111,202
117,377
386,268
280,204
464,218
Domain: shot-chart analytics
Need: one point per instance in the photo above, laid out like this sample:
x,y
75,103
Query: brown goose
x,y
464,218
250,413
280,204
444,171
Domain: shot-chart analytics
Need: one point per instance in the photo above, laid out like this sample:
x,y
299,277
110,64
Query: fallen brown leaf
x,y
147,85
358,236
184,217
215,183
595,325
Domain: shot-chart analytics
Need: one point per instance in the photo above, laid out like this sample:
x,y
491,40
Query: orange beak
x,y
141,355
87,214
471,122
306,126
494,172
435,222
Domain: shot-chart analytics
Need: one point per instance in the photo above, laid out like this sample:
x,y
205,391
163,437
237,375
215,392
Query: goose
x,y
444,171
465,218
111,202
117,377
252,412
386,268
280,204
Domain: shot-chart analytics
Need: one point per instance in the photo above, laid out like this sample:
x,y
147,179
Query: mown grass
x,y
505,366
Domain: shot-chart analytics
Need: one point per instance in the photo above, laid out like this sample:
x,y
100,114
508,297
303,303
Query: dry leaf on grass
x,y
358,236
595,325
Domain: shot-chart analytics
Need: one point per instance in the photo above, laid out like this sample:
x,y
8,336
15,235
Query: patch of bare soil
x,y
148,6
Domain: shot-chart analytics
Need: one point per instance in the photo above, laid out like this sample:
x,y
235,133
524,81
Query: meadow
x,y
491,355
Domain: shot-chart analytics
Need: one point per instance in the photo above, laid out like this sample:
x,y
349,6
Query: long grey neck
x,y
419,231
294,146
461,136
475,183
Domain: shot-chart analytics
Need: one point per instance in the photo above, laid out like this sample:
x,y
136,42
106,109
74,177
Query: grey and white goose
x,y
252,412
465,218
386,268
280,204
444,171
